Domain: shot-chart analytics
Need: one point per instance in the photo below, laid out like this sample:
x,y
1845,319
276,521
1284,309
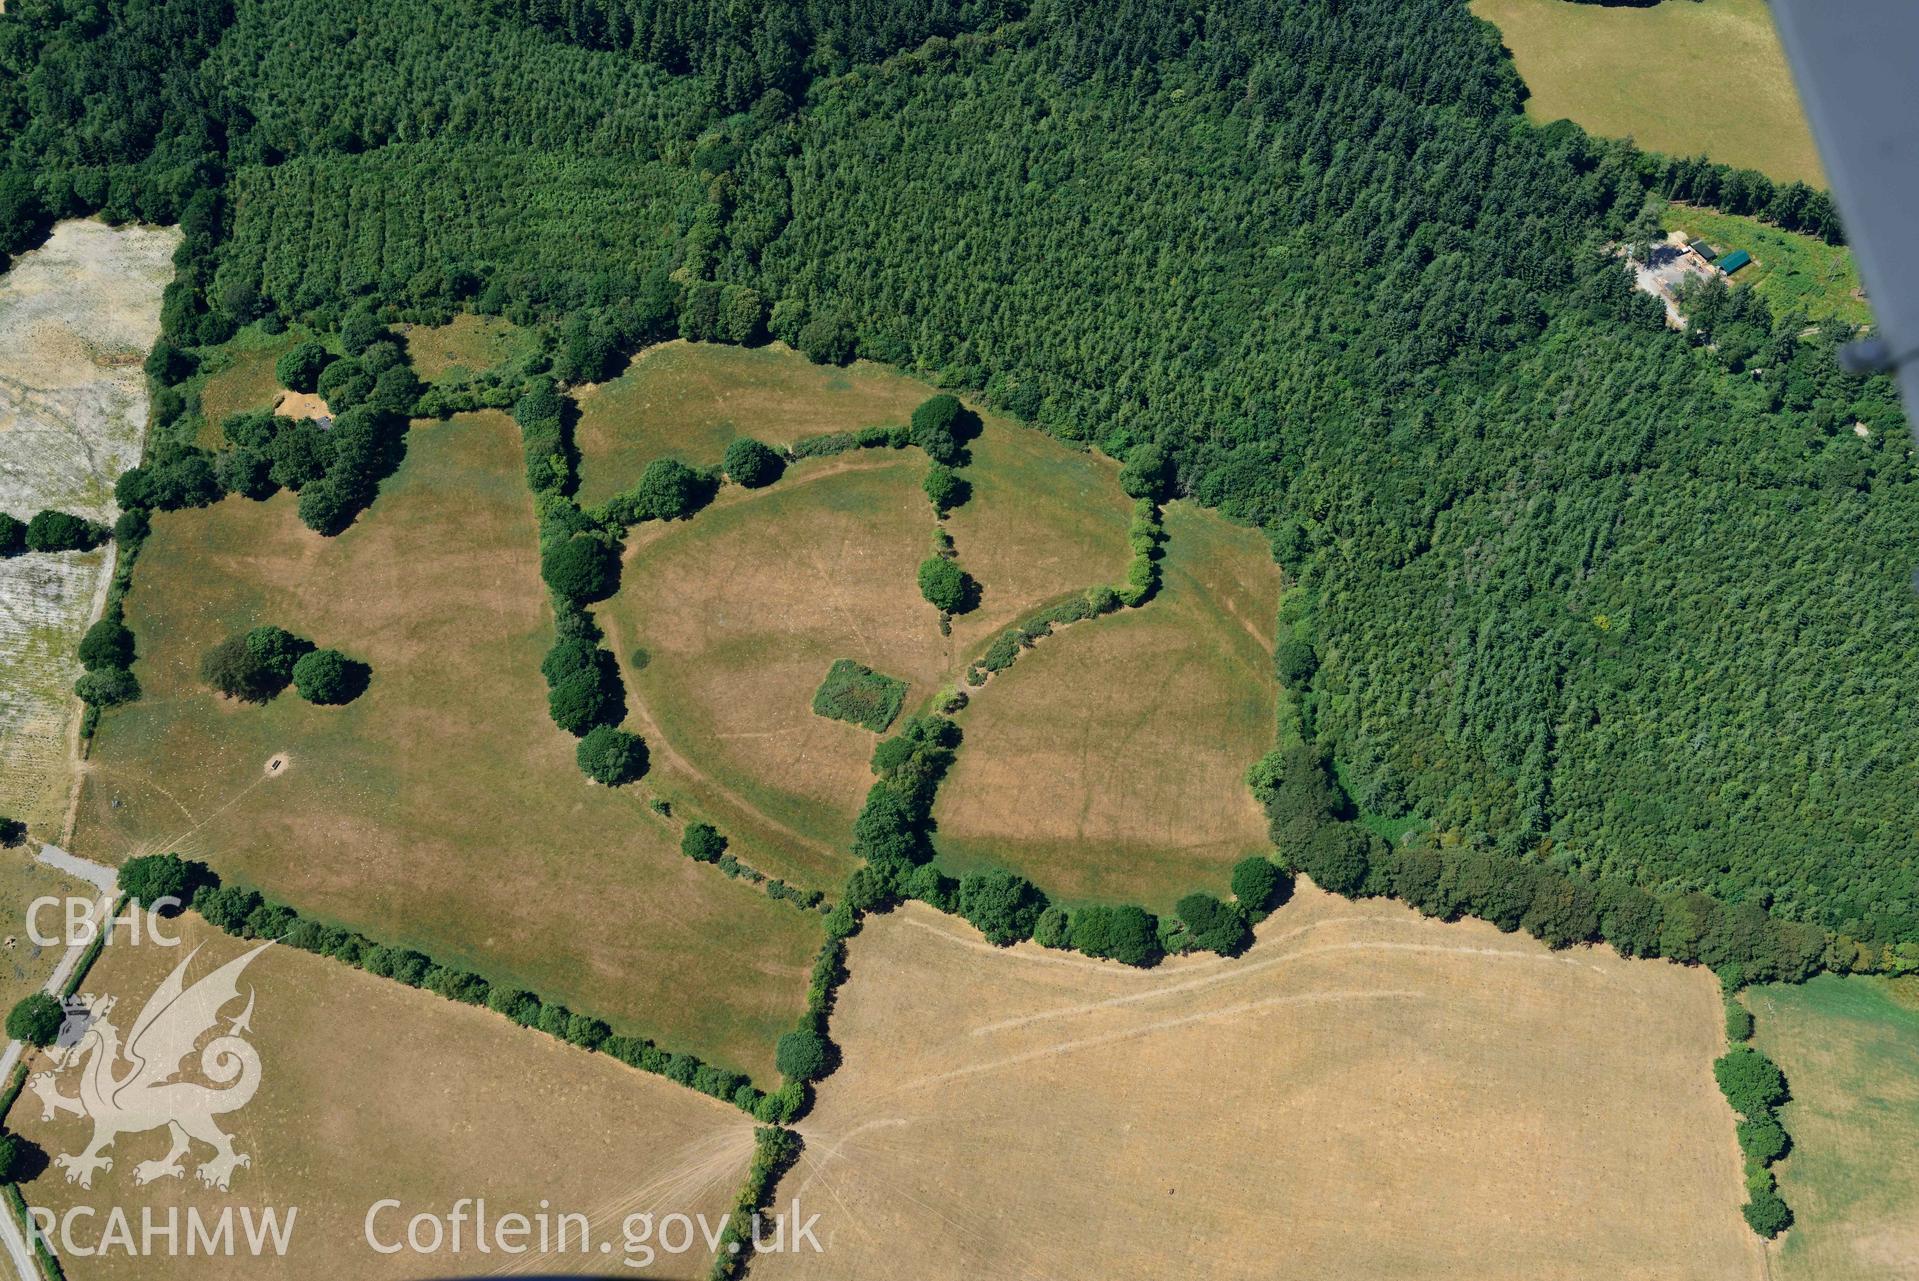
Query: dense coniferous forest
x,y
1582,590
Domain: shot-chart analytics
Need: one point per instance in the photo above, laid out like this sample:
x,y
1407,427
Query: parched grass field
x,y
1682,77
441,810
372,1090
1109,761
25,966
1365,1094
1850,1050
691,399
743,610
470,343
1790,270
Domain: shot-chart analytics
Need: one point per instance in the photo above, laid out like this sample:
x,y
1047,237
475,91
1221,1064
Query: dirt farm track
x,y
1365,1094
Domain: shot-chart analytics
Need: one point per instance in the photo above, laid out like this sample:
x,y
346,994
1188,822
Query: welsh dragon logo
x,y
131,1088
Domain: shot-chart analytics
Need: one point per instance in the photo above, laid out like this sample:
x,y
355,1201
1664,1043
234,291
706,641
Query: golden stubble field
x,y
1366,1093
370,1090
442,809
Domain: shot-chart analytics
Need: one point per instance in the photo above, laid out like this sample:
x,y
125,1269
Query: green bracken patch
x,y
855,692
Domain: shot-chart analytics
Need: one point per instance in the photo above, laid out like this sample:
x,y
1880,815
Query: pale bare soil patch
x,y
77,316
301,404
1109,761
1365,1094
372,1090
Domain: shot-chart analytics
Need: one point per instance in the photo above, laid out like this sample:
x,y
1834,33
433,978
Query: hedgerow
x,y
247,914
774,1150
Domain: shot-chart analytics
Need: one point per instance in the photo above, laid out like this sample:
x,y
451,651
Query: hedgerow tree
x,y
246,472
937,427
1125,934
360,329
328,677
702,843
152,877
108,643
1148,473
20,1157
1763,1139
36,1019
1335,856
1297,790
611,756
55,531
943,584
299,368
945,489
583,569
1003,906
1213,925
108,687
1766,1213
669,489
1296,662
802,1054
13,535
1053,928
751,463
1751,1082
1257,882
742,316
887,833
174,476
826,340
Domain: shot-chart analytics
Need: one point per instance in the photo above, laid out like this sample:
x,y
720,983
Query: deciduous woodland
x,y
1583,591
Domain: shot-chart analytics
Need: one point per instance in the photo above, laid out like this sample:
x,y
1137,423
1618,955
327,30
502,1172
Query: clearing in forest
x,y
370,1090
1366,1093
1682,78
1791,271
441,809
1850,1050
469,343
239,377
741,611
690,399
77,316
1109,761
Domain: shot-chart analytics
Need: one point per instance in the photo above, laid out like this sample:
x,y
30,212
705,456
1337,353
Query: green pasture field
x,y
1850,1050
